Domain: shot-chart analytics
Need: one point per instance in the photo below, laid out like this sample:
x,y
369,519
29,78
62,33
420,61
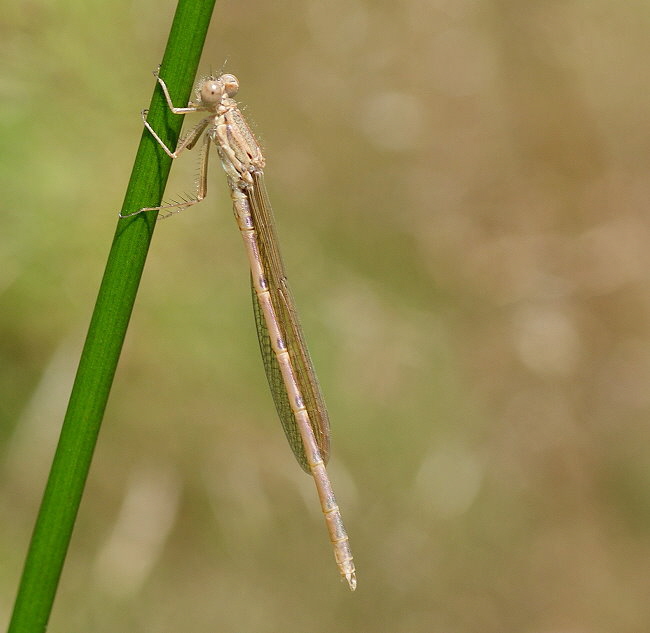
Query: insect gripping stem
x,y
287,362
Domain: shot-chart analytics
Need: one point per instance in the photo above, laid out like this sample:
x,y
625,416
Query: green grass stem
x,y
110,319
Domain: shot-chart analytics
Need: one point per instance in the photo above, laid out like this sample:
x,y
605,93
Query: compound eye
x,y
211,91
230,84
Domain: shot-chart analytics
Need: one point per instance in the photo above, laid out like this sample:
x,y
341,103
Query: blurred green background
x,y
462,196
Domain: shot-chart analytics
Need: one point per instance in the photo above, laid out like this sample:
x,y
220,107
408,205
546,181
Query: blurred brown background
x,y
461,190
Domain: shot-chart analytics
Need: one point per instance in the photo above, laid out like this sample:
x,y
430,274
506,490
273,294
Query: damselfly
x,y
288,366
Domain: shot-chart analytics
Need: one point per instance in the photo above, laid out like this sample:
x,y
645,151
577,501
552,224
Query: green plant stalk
x,y
107,330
